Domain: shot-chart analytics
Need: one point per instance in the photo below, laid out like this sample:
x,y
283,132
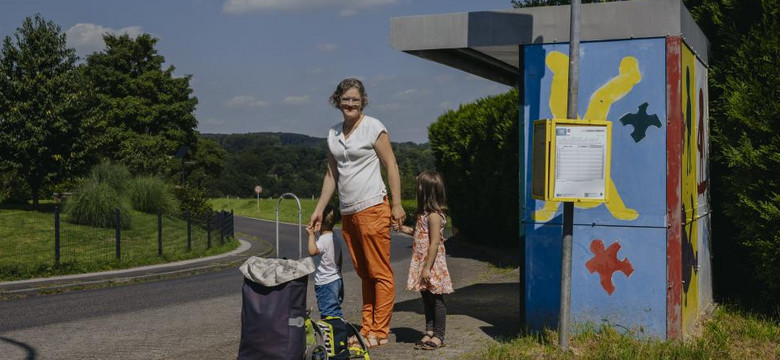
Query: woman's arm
x,y
385,152
328,188
434,235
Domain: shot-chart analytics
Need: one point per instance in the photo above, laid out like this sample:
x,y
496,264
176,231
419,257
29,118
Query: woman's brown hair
x,y
343,86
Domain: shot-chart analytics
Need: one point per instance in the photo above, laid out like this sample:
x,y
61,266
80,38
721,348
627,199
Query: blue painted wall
x,y
639,176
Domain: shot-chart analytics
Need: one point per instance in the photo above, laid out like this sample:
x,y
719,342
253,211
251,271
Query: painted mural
x,y
695,202
618,260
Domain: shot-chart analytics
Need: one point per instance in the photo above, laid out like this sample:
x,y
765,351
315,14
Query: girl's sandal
x,y
432,345
427,337
373,341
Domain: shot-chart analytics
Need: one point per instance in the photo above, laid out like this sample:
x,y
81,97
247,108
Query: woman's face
x,y
350,103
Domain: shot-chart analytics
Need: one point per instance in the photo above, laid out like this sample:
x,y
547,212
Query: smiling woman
x,y
357,147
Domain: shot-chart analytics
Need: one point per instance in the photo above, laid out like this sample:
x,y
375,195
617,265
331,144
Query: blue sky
x,y
270,65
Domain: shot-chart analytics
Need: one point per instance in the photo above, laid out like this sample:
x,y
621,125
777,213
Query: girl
x,y
428,272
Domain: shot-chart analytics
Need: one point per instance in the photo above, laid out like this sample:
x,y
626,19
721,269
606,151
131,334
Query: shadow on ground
x,y
501,257
29,350
494,304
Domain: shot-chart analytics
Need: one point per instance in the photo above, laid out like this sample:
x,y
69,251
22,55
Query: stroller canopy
x,y
272,272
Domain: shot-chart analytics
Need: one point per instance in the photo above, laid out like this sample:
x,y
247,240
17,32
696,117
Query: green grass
x,y
248,207
27,244
288,208
729,334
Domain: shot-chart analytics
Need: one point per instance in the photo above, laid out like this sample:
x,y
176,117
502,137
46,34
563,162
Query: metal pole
x,y
189,232
300,223
57,235
159,232
208,229
568,207
118,222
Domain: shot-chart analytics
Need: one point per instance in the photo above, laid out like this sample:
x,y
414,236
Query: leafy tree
x,y
148,111
43,128
476,150
744,113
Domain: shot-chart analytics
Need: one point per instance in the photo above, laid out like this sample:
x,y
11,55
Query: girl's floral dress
x,y
440,282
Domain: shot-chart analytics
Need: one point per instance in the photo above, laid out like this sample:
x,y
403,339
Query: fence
x,y
31,242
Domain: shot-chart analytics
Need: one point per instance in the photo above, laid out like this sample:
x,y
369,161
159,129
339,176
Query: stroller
x,y
274,319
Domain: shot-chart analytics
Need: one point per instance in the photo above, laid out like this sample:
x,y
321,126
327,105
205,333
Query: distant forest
x,y
284,162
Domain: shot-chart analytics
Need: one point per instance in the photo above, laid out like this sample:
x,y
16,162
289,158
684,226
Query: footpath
x,y
483,309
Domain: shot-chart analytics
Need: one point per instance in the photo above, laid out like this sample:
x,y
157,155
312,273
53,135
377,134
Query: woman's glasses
x,y
350,100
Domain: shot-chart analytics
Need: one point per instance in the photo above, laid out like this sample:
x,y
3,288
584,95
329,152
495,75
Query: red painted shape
x,y
674,139
605,262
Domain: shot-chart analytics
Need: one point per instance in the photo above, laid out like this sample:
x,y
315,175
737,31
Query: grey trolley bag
x,y
273,308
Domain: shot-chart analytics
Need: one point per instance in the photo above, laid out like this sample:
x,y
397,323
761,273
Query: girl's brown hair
x,y
343,86
430,193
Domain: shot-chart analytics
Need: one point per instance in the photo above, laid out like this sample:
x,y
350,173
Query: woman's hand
x,y
399,215
315,221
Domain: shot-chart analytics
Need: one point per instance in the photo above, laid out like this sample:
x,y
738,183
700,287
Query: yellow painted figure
x,y
598,108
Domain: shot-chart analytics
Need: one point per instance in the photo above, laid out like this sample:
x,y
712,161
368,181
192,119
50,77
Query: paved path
x,y
484,307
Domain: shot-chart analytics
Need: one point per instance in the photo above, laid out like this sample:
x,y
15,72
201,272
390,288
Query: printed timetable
x,y
580,161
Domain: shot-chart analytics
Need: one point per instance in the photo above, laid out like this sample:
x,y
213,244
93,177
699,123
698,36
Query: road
x,y
190,317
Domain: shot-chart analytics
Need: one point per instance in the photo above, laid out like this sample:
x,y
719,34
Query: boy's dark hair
x,y
430,192
330,217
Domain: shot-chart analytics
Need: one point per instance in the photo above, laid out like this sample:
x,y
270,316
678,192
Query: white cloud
x,y
245,100
327,47
405,94
445,105
347,6
296,100
87,38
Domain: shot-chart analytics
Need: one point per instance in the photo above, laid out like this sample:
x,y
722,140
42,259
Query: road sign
x,y
258,189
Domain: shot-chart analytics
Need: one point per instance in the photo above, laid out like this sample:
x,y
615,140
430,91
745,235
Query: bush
x,y
192,199
114,175
148,194
476,151
94,205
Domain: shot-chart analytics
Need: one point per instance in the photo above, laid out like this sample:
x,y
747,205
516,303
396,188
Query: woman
x,y
358,146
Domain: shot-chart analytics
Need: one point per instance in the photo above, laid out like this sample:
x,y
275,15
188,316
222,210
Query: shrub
x,y
114,175
94,205
476,151
191,199
148,194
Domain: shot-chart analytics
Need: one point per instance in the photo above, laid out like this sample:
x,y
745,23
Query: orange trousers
x,y
367,234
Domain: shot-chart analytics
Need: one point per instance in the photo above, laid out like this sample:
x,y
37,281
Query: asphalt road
x,y
175,318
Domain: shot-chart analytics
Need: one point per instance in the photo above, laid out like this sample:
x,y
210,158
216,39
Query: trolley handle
x,y
300,238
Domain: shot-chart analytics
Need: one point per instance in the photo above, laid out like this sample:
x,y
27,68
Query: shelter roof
x,y
487,43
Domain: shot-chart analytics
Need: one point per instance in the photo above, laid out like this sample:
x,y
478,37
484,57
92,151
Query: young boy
x,y
328,285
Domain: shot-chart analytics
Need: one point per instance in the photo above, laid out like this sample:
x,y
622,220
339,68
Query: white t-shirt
x,y
360,179
330,255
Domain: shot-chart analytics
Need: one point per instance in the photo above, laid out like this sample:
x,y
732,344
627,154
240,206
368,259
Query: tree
x,y
148,112
476,150
42,126
745,157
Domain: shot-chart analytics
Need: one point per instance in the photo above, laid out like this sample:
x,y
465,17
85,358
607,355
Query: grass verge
x,y
730,334
27,244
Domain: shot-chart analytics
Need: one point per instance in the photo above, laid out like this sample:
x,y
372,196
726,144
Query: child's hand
x,y
426,275
396,226
310,229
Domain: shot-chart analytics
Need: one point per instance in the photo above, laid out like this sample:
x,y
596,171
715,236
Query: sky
x,y
270,65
